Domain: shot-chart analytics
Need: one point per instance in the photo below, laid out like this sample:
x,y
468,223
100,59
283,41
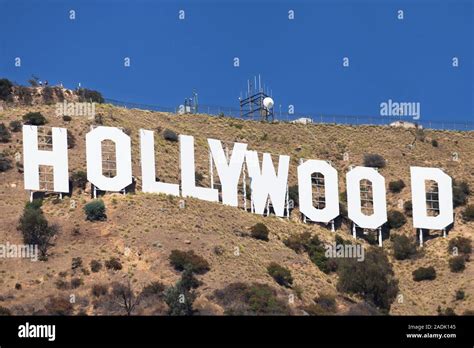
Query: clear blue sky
x,y
301,59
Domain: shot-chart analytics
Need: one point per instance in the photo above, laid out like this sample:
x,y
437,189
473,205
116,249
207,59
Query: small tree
x,y
408,208
34,119
90,96
95,210
180,297
373,279
125,297
36,229
259,231
280,274
5,89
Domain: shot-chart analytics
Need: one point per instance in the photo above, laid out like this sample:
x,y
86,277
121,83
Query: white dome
x,y
268,103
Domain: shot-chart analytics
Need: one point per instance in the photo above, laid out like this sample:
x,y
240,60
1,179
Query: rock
x,y
13,185
187,241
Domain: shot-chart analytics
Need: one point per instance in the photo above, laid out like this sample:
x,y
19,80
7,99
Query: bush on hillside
x,y
95,210
169,135
396,186
15,126
461,192
182,260
114,264
90,96
462,244
293,194
298,242
259,231
5,135
424,273
468,213
374,161
372,279
403,247
34,119
395,219
79,179
5,163
280,274
457,264
408,208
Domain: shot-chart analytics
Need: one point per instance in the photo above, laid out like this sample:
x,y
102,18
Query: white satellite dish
x,y
268,103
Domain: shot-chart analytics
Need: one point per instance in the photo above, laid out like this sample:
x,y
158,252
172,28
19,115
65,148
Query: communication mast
x,y
258,102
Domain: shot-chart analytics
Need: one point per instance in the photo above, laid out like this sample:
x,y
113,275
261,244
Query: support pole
x,y
380,236
354,234
421,237
244,186
444,232
287,202
95,192
211,169
31,196
333,229
268,206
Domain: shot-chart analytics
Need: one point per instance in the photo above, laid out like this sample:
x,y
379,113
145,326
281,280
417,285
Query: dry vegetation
x,y
142,229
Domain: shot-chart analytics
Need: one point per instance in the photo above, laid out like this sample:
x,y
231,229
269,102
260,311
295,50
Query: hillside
x,y
142,229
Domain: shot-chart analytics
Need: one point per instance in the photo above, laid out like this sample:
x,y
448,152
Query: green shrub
x,y
34,118
457,264
95,210
372,279
99,290
180,297
15,126
36,229
434,143
403,247
5,163
76,263
79,179
462,245
408,208
259,231
374,160
96,266
5,135
461,192
396,219
71,140
182,260
468,213
424,273
67,118
280,274
113,263
5,89
169,135
251,299
396,186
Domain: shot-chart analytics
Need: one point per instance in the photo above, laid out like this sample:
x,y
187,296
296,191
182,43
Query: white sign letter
x,y
305,190
123,158
419,176
57,158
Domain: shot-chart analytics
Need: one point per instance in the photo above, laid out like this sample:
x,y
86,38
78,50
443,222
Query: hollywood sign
x,y
265,182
